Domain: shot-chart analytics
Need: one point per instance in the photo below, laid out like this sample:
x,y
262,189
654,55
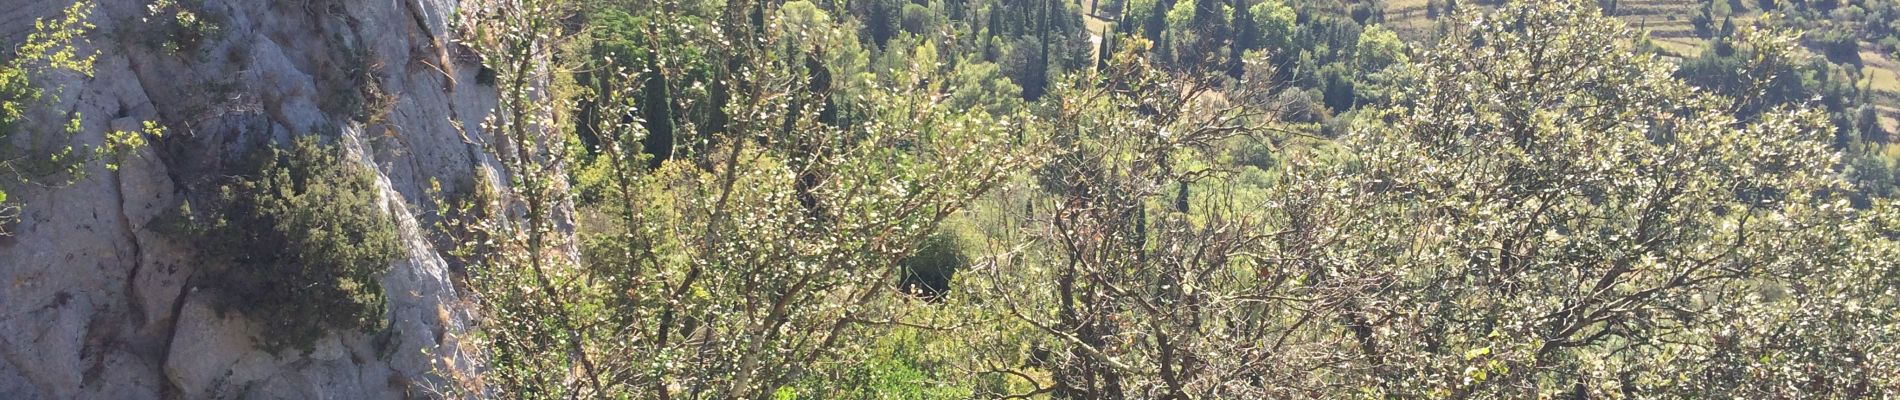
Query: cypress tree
x,y
757,18
1209,22
1181,199
1039,82
1867,118
810,178
717,120
1157,21
657,109
996,19
821,87
1246,37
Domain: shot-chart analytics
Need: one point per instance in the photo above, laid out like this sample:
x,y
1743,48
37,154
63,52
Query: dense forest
x,y
1099,199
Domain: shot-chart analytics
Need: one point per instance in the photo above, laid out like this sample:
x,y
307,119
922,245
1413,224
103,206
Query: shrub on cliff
x,y
48,159
301,242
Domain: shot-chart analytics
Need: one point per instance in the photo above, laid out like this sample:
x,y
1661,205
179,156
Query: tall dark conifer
x,y
1039,71
996,19
1246,37
1157,22
656,107
810,177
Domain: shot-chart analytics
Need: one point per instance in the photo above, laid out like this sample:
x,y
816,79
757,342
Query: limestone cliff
x,y
94,303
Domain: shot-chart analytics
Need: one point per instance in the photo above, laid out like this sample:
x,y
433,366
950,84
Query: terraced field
x,y
1882,74
1669,27
1409,18
1666,20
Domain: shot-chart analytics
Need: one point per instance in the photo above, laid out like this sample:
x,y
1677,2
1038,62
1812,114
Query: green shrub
x,y
300,242
50,49
180,26
917,19
928,272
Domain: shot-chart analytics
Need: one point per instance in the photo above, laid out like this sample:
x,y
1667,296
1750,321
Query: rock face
x,y
95,303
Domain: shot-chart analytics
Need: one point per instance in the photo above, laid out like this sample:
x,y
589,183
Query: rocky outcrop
x,y
96,303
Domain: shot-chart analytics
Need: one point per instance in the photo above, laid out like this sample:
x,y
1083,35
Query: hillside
x,y
949,199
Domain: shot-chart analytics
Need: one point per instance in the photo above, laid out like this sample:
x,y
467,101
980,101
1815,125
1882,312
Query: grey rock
x,y
97,300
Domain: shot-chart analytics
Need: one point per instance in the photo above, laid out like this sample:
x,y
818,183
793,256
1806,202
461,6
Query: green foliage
x,y
1528,208
902,364
350,85
1276,23
981,85
179,26
1377,49
1037,42
1604,230
299,242
930,270
918,20
618,41
50,51
792,219
1125,249
1754,66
